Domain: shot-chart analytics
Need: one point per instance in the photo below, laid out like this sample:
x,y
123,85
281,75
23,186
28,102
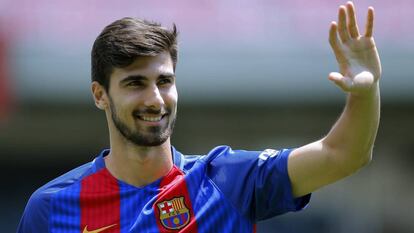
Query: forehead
x,y
147,66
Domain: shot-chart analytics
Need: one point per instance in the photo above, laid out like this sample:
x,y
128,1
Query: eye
x,y
135,83
165,81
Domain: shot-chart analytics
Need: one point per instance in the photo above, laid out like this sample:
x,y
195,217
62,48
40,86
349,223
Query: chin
x,y
149,141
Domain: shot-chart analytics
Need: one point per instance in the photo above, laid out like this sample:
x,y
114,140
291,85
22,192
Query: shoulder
x,y
62,182
38,208
221,156
225,155
186,162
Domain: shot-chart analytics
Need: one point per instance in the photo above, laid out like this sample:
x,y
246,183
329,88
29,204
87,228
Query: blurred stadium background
x,y
251,74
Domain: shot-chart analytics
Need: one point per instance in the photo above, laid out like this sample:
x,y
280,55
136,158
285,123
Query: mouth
x,y
151,118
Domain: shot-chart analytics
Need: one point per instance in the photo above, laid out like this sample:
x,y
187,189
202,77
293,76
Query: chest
x,y
182,203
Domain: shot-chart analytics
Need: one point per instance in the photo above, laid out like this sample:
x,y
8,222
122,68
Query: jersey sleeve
x,y
256,182
35,215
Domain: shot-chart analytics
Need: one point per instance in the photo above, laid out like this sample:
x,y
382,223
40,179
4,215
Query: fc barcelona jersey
x,y
224,191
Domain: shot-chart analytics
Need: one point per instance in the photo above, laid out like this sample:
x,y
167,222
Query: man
x,y
142,184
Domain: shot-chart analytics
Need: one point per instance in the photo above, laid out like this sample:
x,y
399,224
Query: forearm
x,y
352,137
348,146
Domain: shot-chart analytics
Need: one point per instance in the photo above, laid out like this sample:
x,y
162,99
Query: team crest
x,y
173,213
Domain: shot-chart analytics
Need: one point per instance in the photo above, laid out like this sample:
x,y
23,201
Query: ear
x,y
99,95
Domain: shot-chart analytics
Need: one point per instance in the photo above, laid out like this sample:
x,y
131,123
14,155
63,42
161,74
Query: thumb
x,y
344,83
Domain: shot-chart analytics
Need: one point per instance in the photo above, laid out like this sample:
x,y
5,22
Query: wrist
x,y
367,93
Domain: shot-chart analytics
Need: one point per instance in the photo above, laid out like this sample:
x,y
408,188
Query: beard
x,y
154,135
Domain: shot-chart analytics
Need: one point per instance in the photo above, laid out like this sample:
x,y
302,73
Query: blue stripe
x,y
182,220
213,211
137,214
65,211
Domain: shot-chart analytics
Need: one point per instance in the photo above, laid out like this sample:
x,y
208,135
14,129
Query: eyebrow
x,y
133,78
166,75
142,77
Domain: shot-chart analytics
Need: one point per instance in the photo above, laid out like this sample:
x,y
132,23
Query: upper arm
x,y
260,186
315,165
35,215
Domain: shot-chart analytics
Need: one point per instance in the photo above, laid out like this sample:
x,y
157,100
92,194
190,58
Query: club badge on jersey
x,y
174,214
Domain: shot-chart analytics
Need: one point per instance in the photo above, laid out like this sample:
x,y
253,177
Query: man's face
x,y
143,100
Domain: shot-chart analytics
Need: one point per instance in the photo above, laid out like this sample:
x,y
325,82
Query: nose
x,y
153,98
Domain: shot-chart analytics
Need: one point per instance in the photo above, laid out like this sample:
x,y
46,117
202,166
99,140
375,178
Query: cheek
x,y
122,108
171,103
172,96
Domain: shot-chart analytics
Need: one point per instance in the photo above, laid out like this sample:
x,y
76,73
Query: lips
x,y
150,115
150,118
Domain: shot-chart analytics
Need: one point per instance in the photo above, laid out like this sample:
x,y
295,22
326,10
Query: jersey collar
x,y
99,162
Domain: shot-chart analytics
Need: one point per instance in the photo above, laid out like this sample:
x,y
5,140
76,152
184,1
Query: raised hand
x,y
357,55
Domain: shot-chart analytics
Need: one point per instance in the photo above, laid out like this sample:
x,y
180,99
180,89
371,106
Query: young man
x,y
142,184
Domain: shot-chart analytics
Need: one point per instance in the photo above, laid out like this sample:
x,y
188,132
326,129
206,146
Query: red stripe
x,y
178,203
172,186
100,202
182,219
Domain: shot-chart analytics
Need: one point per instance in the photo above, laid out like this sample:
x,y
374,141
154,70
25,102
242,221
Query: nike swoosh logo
x,y
85,230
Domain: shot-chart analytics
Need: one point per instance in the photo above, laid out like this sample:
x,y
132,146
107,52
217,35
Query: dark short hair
x,y
127,39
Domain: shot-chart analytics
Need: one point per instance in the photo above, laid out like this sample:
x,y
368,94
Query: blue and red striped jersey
x,y
224,191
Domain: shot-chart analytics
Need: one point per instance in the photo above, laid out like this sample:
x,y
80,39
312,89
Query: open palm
x,y
357,56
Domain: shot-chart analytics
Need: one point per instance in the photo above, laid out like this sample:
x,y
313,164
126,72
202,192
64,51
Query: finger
x,y
342,28
370,22
343,82
352,22
334,41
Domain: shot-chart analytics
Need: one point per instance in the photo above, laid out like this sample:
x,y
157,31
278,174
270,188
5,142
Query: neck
x,y
138,165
